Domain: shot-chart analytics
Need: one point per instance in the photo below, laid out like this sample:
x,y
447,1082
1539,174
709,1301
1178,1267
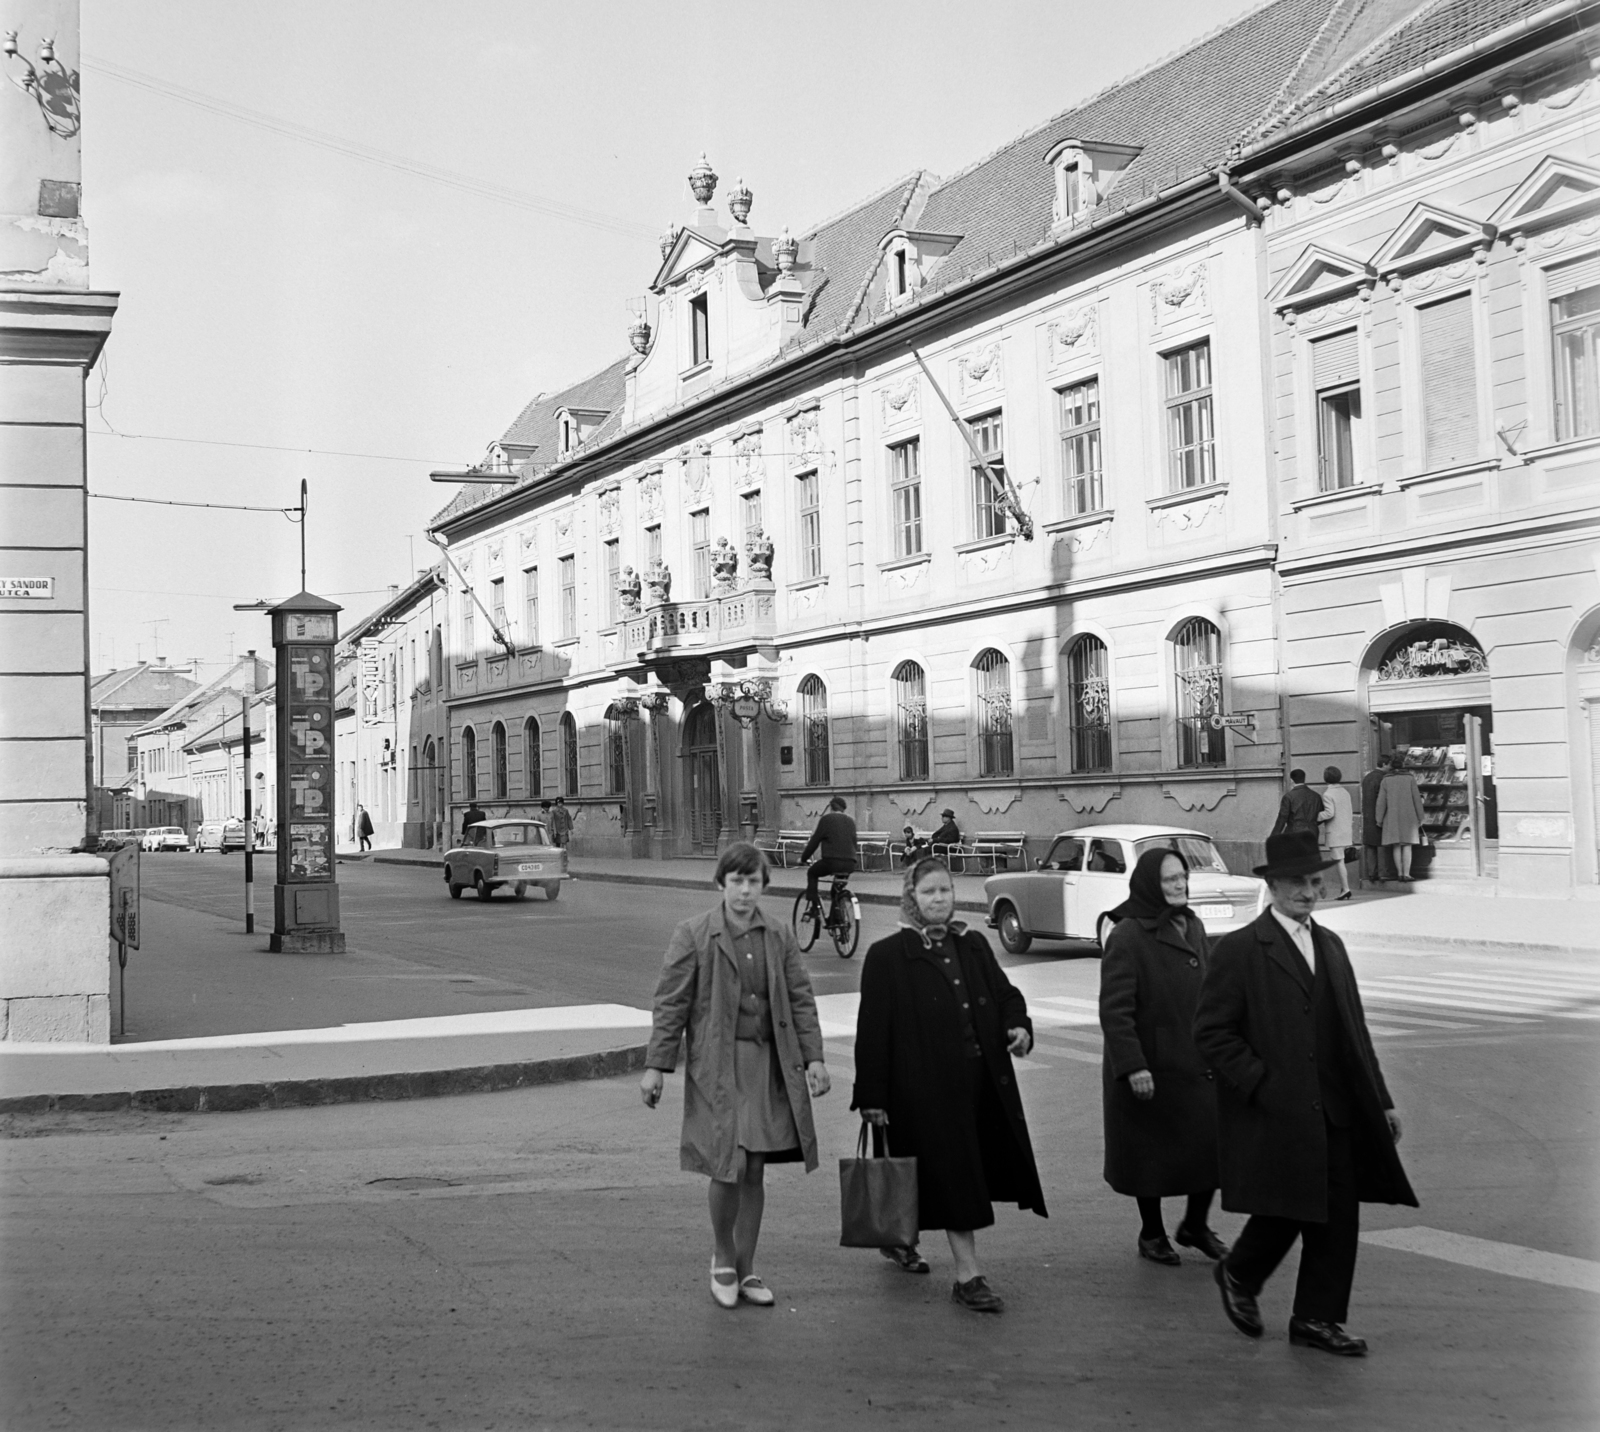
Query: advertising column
x,y
305,899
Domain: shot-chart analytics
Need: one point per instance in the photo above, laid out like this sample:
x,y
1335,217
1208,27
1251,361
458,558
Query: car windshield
x,y
518,835
1196,849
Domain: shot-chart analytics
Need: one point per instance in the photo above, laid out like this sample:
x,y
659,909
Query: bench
x,y
783,845
871,843
998,848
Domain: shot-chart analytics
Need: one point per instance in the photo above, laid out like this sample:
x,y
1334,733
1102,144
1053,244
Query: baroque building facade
x,y
973,496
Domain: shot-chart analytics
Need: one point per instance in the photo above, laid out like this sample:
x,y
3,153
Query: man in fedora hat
x,y
1306,1128
947,839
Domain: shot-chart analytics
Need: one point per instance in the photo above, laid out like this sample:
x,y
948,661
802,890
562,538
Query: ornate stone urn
x,y
639,334
628,589
739,201
669,238
724,565
758,554
785,249
658,579
703,181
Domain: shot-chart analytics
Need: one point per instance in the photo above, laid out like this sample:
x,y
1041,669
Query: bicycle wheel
x,y
847,932
807,921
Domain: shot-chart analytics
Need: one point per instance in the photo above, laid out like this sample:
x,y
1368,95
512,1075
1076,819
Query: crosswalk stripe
x,y
1517,994
1448,1001
1509,1259
1429,1023
1586,984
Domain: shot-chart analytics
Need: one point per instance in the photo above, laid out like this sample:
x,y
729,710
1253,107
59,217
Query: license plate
x,y
1214,912
528,869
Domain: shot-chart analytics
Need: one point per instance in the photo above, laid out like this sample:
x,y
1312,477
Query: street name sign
x,y
28,589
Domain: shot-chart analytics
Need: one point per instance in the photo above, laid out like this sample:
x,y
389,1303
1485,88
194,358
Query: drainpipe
x,y
1251,211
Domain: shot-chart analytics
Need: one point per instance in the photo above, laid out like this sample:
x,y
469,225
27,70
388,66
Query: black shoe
x,y
1330,1337
1239,1305
1158,1250
908,1260
977,1295
1202,1240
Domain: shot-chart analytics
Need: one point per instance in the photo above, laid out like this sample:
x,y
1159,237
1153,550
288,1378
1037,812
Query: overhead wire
x,y
266,447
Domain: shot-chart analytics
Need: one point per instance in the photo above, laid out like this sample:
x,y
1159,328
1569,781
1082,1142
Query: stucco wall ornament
x,y
496,551
1557,238
658,579
805,599
985,561
563,528
528,663
724,565
696,468
1592,656
1083,539
1077,335
980,370
995,802
650,495
805,438
529,537
749,466
903,579
759,552
899,402
1188,515
1088,800
910,803
1425,659
1432,278
1180,293
628,590
1198,795
610,503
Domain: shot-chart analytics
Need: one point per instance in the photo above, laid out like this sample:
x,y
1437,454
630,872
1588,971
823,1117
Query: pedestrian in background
x,y
559,823
912,846
1400,816
935,1031
474,814
834,843
363,827
1299,809
1335,825
1374,859
1159,1098
734,991
1306,1128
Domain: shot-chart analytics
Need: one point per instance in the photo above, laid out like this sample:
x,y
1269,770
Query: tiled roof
x,y
142,687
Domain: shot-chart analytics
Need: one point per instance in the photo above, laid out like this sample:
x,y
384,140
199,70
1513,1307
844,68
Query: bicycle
x,y
842,922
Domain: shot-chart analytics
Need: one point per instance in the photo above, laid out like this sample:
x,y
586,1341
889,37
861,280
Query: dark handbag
x,y
877,1197
1352,853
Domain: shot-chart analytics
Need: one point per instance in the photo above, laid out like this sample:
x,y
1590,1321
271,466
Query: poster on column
x,y
309,851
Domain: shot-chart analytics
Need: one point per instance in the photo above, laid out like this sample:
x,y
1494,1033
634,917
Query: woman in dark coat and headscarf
x,y
937,1027
1160,1100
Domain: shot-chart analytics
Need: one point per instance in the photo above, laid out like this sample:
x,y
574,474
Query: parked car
x,y
165,837
114,839
513,852
219,835
1085,873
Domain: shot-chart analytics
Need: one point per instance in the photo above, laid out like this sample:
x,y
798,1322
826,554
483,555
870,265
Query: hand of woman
x,y
1143,1084
650,1086
817,1078
1019,1042
880,1117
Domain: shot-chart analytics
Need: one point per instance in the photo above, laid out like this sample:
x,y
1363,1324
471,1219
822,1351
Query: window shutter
x,y
1569,278
1334,362
1449,382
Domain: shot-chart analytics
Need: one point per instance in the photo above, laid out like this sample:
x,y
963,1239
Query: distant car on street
x,y
219,835
115,839
513,852
165,837
1085,874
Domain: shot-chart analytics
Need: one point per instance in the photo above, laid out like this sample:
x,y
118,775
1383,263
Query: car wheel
x,y
455,890
519,889
1012,936
552,889
1102,930
481,885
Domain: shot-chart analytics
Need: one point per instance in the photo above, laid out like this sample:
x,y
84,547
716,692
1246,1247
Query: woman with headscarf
x,y
937,1026
1159,1097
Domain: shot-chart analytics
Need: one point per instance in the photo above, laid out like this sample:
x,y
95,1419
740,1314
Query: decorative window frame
x,y
891,723
1421,290
885,497
1337,319
1090,369
1171,623
797,717
974,721
1539,364
1082,627
1163,346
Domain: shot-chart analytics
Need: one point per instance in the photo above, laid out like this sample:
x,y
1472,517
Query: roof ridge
x,y
1113,87
911,176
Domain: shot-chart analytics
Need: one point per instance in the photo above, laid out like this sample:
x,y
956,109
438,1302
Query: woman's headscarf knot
x,y
911,917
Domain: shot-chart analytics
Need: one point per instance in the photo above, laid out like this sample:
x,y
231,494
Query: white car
x,y
1085,874
165,837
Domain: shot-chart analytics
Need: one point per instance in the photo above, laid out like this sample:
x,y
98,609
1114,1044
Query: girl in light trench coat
x,y
735,991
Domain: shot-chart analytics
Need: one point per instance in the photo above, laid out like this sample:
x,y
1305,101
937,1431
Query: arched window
x,y
498,782
1197,674
569,754
814,730
993,673
616,754
1089,705
532,759
911,720
469,763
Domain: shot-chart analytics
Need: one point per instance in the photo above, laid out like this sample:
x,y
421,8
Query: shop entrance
x,y
1429,700
702,780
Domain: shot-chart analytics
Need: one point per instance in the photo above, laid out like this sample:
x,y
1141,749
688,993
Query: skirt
x,y
766,1122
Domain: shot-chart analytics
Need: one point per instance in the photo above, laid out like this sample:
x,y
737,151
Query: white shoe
x,y
726,1294
753,1290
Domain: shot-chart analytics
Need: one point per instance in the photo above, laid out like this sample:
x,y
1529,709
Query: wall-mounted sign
x,y
27,589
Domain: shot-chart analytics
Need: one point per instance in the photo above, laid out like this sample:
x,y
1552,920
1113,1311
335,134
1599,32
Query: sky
x,y
291,310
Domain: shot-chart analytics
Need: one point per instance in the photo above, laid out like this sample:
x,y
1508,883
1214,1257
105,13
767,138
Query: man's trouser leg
x,y
1328,1250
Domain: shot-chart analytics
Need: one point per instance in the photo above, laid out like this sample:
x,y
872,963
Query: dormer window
x,y
574,427
1085,174
900,287
699,330
909,258
569,434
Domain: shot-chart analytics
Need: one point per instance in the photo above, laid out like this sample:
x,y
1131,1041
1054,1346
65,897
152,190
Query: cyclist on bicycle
x,y
835,839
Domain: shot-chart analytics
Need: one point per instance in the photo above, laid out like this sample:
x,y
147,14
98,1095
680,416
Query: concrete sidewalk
x,y
1442,917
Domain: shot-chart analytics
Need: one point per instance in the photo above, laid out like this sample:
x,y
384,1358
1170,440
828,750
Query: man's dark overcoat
x,y
1149,989
1254,1028
911,1063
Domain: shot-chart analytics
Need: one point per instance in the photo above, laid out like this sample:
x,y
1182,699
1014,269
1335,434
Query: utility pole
x,y
249,810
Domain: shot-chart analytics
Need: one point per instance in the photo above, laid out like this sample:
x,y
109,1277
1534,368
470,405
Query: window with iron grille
x,y
988,515
1080,447
814,730
616,754
905,483
993,673
700,543
569,754
911,720
497,763
613,574
810,496
530,607
532,759
1191,446
1197,672
469,763
1575,335
1089,705
567,569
